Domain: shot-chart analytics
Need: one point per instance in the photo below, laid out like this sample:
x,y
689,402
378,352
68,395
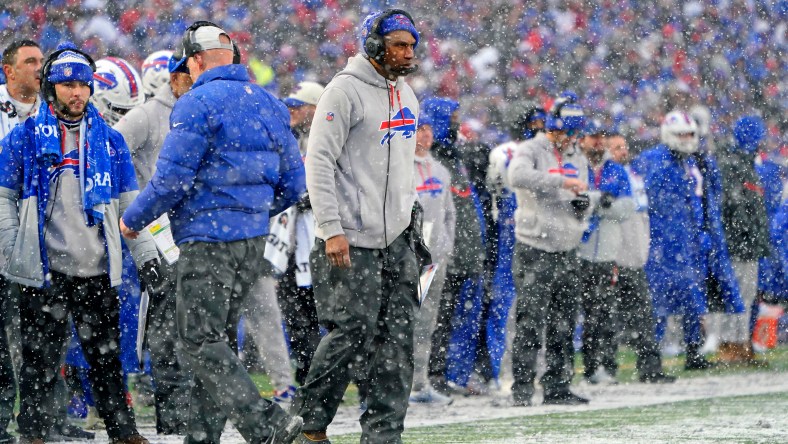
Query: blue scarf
x,y
94,158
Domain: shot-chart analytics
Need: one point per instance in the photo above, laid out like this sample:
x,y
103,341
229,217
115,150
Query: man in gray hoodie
x,y
601,241
550,177
359,175
144,129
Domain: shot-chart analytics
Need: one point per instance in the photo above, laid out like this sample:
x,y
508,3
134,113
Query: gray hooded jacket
x,y
144,129
545,218
604,243
359,170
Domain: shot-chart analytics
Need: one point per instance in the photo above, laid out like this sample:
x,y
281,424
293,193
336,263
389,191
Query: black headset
x,y
374,45
47,87
189,47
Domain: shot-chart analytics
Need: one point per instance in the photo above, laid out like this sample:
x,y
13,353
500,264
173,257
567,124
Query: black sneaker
x,y
69,432
440,385
657,378
564,398
287,431
698,363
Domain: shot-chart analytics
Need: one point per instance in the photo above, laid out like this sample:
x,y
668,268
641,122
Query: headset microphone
x,y
409,70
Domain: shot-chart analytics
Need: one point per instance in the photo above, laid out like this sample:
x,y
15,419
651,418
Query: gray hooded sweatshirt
x,y
144,129
604,243
359,170
545,218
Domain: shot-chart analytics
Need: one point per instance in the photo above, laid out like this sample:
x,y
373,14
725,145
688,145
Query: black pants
x,y
170,374
368,311
214,281
600,306
44,312
300,316
7,380
547,295
443,327
636,319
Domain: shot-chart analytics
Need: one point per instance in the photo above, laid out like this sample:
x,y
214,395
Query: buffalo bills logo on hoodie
x,y
567,170
70,162
432,186
404,122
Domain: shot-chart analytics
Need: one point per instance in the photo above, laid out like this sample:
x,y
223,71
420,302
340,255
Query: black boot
x,y
695,360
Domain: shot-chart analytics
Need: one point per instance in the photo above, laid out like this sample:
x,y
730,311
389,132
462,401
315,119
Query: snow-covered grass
x,y
733,404
739,419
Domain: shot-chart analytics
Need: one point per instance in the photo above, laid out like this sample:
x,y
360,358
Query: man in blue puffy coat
x,y
228,162
688,256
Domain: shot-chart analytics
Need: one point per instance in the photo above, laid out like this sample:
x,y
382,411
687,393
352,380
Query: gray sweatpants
x,y
426,317
264,324
214,281
368,311
735,327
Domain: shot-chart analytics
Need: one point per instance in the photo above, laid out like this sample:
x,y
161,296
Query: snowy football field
x,y
729,405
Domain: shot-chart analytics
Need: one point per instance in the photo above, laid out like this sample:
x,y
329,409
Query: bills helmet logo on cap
x,y
330,116
404,123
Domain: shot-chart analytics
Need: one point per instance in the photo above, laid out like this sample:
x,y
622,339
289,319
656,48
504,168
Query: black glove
x,y
150,275
580,204
606,200
303,204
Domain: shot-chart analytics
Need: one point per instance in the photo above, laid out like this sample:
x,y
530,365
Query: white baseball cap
x,y
208,38
305,93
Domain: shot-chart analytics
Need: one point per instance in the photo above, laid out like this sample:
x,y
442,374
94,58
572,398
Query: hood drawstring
x,y
391,97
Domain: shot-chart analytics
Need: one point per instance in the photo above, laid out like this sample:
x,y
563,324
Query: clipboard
x,y
425,280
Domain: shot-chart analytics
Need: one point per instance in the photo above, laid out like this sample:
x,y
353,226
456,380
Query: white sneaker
x,y
710,345
429,396
601,376
94,421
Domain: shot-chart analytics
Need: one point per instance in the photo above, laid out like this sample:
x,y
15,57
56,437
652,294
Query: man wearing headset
x,y
65,177
227,164
365,272
549,175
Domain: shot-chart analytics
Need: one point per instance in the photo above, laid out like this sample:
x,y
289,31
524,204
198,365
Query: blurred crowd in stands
x,y
728,55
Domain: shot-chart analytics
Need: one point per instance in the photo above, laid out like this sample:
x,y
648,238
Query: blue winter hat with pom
x,y
748,132
70,66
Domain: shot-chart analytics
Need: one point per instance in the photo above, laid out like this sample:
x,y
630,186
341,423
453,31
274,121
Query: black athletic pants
x,y
44,312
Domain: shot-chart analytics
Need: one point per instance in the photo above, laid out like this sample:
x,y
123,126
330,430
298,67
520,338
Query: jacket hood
x,y
360,67
165,96
748,132
439,110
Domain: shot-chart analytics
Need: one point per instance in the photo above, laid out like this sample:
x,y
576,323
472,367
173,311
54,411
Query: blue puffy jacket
x,y
228,162
772,277
687,241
